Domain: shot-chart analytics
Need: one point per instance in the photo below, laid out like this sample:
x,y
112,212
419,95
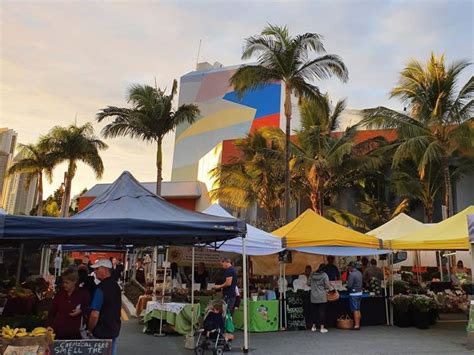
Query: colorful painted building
x,y
224,115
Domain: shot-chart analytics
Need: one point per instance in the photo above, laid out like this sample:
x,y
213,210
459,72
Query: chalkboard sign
x,y
85,346
294,310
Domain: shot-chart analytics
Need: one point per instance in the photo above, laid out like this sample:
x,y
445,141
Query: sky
x,y
62,61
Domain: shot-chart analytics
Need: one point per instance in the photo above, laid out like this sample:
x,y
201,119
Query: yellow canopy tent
x,y
397,227
450,234
313,230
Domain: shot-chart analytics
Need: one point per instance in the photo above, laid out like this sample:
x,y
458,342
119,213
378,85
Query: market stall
x,y
124,214
313,234
179,316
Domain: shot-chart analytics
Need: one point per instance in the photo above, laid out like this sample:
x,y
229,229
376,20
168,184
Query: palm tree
x,y
254,177
35,161
438,128
150,118
282,57
73,144
328,162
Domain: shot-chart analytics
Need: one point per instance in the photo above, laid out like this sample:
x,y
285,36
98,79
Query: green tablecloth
x,y
181,321
263,316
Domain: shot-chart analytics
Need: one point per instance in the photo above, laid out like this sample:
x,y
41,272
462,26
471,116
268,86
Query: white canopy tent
x,y
258,242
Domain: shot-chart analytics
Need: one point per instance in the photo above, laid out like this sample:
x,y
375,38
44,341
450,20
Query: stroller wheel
x,y
199,350
218,351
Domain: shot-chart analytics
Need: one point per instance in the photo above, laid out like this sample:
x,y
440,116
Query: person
x,y
358,263
104,319
319,282
307,299
140,272
373,272
117,269
175,276
229,285
365,264
460,274
354,286
87,262
214,321
86,281
331,270
201,276
69,307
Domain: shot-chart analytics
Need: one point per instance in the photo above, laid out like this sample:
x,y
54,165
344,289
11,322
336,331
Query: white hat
x,y
102,263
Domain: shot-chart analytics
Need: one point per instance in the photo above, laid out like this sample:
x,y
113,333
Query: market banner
x,y
183,256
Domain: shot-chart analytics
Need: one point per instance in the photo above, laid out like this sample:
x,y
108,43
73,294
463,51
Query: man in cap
x,y
104,319
354,286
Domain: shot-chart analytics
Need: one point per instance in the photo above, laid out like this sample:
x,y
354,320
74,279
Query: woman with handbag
x,y
319,282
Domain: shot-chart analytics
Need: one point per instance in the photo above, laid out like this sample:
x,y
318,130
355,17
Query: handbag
x,y
345,322
332,296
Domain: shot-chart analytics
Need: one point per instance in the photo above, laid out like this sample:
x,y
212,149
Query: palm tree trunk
x,y
429,213
287,151
159,166
447,186
67,191
39,183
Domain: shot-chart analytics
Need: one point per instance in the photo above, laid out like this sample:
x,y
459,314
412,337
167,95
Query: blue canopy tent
x,y
126,213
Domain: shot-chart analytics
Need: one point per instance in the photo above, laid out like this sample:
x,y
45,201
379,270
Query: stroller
x,y
212,336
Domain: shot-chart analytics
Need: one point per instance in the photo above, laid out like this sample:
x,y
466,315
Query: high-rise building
x,y
8,139
20,196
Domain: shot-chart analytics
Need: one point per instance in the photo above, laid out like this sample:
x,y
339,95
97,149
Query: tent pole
x,y
285,325
391,288
163,293
192,296
42,260
280,289
18,269
154,266
386,294
245,285
441,273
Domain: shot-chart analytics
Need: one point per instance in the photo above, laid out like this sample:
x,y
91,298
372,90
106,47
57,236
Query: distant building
x,y
20,197
8,139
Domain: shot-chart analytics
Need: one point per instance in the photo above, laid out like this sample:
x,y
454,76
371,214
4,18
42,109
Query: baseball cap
x,y
102,263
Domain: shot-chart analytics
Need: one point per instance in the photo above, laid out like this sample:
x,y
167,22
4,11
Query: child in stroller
x,y
213,336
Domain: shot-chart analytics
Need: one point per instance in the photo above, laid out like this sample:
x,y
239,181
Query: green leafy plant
x,y
400,287
422,303
402,303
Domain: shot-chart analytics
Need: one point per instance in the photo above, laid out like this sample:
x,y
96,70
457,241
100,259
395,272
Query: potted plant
x,y
422,311
402,311
400,287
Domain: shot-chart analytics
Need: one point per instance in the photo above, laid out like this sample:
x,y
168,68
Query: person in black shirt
x,y
104,318
331,270
201,276
140,272
229,285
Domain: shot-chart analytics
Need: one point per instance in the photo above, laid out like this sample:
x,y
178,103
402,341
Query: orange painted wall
x,y
186,203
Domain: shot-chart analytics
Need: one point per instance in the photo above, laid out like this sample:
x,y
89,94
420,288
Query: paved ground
x,y
444,338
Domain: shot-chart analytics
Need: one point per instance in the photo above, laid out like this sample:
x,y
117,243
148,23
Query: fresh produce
x,y
10,333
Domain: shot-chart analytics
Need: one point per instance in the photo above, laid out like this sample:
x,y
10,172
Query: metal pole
x,y
386,293
391,288
154,266
192,294
280,288
163,293
284,296
441,272
42,261
18,269
244,272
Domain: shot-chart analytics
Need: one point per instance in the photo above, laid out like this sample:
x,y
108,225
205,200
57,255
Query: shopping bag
x,y
229,323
